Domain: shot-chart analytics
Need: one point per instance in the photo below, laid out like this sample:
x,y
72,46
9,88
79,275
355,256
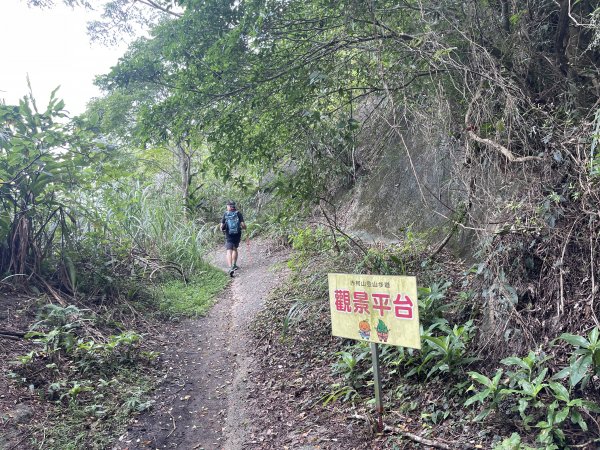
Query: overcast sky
x,y
51,45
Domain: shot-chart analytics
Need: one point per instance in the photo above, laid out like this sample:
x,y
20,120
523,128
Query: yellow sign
x,y
375,308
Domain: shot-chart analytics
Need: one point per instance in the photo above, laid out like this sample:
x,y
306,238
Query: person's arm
x,y
242,223
223,223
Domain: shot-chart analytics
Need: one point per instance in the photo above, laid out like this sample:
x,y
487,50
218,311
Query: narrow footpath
x,y
202,403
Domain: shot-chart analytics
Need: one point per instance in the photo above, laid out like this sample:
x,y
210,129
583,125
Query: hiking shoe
x,y
231,270
235,267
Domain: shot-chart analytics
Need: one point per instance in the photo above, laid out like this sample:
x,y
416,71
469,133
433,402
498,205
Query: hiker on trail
x,y
232,225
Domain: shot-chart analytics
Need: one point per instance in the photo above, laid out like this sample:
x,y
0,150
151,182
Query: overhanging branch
x,y
502,149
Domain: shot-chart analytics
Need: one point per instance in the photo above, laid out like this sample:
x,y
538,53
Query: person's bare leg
x,y
234,256
229,258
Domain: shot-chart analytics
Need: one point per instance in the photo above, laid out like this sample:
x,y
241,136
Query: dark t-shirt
x,y
224,222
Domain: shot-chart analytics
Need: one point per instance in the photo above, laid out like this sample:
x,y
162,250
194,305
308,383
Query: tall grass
x,y
162,229
139,227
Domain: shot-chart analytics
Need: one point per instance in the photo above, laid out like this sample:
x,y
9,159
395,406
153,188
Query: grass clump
x,y
194,298
95,421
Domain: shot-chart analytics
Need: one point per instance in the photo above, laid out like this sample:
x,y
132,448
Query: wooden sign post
x,y
377,384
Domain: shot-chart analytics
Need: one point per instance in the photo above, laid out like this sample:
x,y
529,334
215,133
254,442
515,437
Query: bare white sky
x,y
51,45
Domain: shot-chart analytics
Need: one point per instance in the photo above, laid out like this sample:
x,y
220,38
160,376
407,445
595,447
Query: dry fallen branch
x,y
8,336
502,149
174,425
425,441
469,123
16,334
416,437
53,292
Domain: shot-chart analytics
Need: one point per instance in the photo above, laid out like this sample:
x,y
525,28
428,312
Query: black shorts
x,y
232,241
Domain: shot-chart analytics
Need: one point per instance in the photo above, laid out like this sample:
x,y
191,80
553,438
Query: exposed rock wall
x,y
411,181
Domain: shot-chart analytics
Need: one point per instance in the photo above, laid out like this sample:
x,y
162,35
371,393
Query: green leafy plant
x,y
585,360
308,241
527,381
525,368
431,305
562,408
62,324
101,404
52,315
348,365
529,396
339,391
55,340
513,442
311,240
77,388
435,415
135,401
542,404
27,358
492,394
445,353
353,372
296,313
43,160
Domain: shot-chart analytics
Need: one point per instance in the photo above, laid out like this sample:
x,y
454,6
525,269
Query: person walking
x,y
232,225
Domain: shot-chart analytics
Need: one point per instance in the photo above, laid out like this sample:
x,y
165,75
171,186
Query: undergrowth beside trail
x,y
192,298
95,424
452,390
84,370
79,375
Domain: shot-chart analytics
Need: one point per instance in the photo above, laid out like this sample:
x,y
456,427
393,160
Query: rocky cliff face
x,y
412,181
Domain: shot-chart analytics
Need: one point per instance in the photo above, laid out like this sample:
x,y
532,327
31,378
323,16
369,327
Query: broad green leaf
x,y
578,419
71,271
593,336
479,397
560,392
593,407
497,377
482,415
527,388
564,373
577,341
596,360
481,379
562,415
540,376
515,361
579,369
437,342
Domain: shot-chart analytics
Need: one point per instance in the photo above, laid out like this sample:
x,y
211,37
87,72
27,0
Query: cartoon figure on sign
x,y
382,331
364,329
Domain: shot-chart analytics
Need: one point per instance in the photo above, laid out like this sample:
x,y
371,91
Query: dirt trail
x,y
202,402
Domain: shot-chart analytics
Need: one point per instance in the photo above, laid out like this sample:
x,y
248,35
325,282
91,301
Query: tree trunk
x,y
184,160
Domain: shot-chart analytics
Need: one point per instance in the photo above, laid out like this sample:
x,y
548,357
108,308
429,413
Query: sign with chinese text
x,y
375,308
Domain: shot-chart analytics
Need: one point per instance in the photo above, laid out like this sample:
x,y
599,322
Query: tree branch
x,y
502,149
155,5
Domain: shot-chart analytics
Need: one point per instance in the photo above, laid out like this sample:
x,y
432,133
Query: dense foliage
x,y
43,160
450,389
302,98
